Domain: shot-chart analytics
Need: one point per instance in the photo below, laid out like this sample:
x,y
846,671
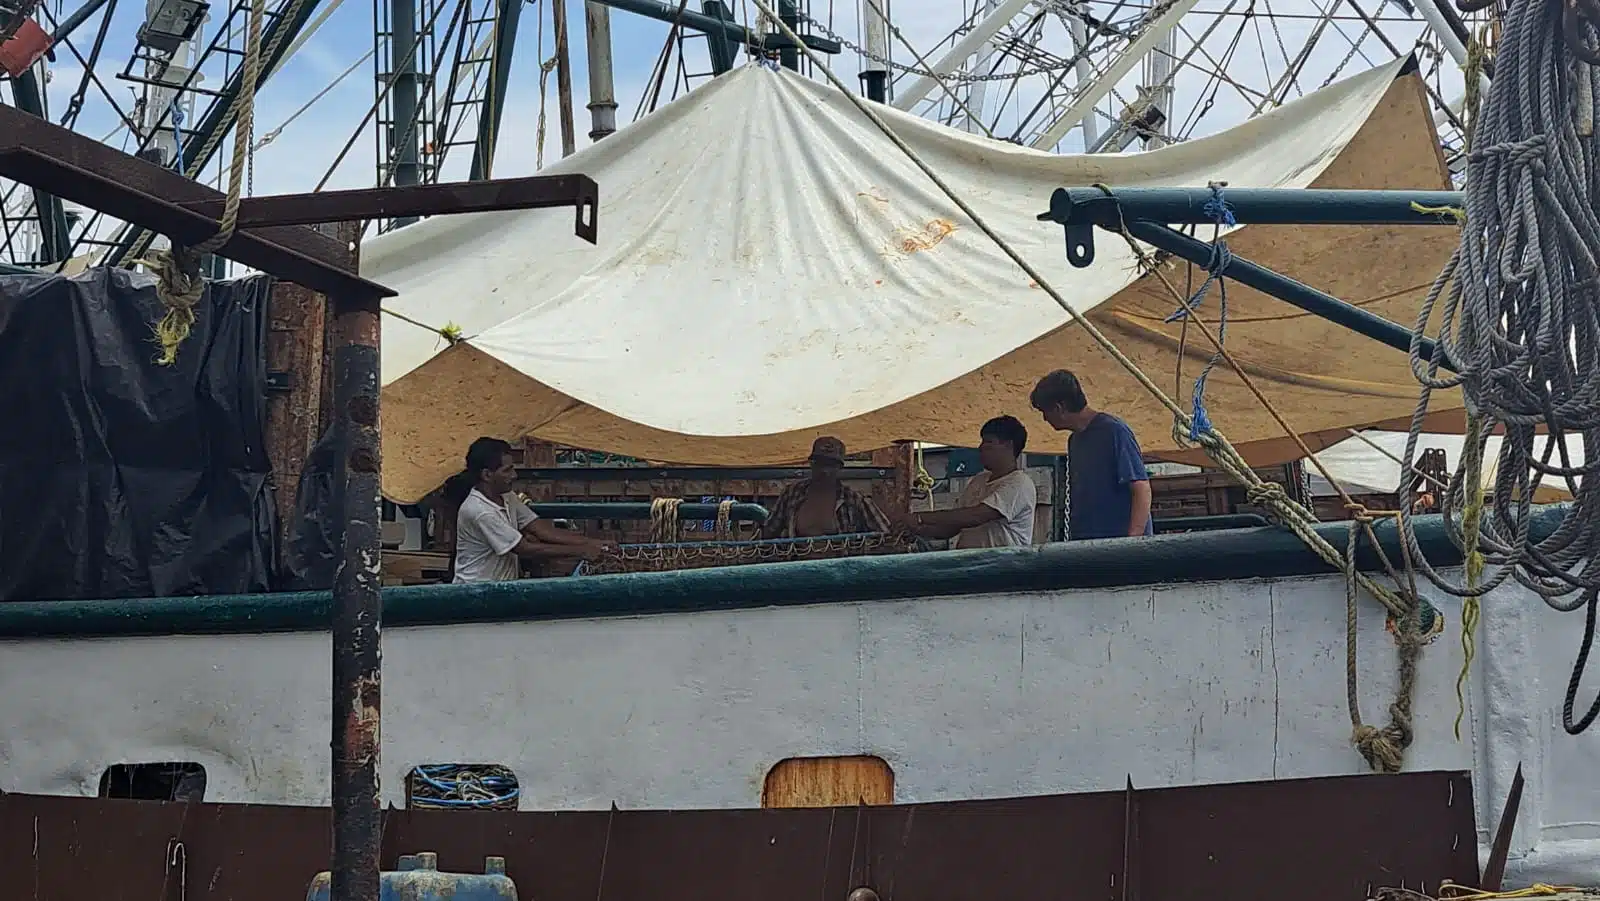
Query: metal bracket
x,y
280,382
1080,245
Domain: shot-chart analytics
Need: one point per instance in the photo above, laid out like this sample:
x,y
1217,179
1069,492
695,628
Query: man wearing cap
x,y
823,504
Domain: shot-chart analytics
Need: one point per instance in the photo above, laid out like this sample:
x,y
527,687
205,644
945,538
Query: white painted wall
x,y
977,696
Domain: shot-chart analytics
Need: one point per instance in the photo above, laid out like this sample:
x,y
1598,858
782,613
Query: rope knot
x,y
1383,749
1529,153
180,287
1267,494
1359,512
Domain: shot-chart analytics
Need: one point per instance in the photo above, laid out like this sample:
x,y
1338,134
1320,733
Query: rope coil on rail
x,y
1519,314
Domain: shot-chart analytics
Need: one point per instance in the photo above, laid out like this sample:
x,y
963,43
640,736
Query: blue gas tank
x,y
419,879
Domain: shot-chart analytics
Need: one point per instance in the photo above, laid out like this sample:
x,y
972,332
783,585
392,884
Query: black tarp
x,y
120,477
316,535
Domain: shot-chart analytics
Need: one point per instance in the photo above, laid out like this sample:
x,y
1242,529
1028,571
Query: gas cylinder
x,y
419,879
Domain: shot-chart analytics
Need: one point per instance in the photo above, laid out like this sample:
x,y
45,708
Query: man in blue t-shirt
x,y
1110,489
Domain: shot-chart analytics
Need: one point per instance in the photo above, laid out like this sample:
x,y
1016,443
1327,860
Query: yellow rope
x,y
1455,213
1471,524
922,482
1452,892
1472,455
664,520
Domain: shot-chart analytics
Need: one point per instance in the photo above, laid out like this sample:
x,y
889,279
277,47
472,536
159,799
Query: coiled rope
x,y
1519,306
664,526
1382,748
179,283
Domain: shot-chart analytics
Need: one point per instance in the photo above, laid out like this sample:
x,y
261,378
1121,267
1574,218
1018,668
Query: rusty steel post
x,y
357,606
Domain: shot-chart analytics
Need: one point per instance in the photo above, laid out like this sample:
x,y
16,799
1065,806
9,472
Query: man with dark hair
x,y
823,504
996,509
1110,488
495,529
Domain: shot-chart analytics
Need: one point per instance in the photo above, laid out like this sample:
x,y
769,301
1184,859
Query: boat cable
x,y
1382,748
1520,316
275,133
179,283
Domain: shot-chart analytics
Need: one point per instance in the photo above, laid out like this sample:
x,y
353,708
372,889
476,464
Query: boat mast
x,y
874,64
602,92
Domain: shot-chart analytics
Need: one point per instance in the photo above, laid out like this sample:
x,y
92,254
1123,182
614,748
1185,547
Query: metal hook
x,y
178,856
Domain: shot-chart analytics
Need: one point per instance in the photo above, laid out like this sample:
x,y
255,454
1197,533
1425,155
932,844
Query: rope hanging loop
x,y
179,283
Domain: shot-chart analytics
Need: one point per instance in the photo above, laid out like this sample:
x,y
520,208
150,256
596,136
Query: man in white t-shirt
x,y
996,509
495,529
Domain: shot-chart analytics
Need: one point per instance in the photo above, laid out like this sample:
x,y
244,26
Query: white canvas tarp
x,y
771,267
1372,466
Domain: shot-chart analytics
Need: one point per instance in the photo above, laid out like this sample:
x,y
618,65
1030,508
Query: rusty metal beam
x,y
535,192
1494,870
79,168
357,609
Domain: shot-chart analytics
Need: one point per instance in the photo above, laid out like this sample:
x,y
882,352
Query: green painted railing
x,y
1233,554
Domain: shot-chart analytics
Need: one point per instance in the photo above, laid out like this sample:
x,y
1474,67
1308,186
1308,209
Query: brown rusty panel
x,y
68,849
1335,838
296,329
828,782
1328,838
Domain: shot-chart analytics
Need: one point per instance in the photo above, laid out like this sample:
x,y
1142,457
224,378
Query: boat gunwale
x,y
1221,555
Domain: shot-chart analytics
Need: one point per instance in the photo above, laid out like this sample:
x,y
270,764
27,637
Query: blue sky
x,y
298,158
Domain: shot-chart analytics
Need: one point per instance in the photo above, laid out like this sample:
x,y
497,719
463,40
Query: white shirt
x,y
1013,496
486,533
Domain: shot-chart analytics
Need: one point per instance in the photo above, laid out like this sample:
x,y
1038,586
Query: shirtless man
x,y
823,504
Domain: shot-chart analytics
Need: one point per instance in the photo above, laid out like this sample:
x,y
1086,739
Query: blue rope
x,y
1222,214
446,780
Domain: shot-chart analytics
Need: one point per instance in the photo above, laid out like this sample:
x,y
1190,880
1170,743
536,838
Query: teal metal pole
x,y
1251,206
1284,288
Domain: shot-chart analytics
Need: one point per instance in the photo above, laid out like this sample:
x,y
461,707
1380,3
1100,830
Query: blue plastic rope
x,y
1222,214
443,779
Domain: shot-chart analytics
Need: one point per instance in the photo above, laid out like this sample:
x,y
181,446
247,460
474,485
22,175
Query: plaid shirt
x,y
853,512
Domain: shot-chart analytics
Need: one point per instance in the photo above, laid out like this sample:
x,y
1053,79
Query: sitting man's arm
x,y
530,548
545,532
948,523
503,539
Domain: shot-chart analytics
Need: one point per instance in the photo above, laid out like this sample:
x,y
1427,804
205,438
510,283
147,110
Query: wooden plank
x,y
828,782
894,495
